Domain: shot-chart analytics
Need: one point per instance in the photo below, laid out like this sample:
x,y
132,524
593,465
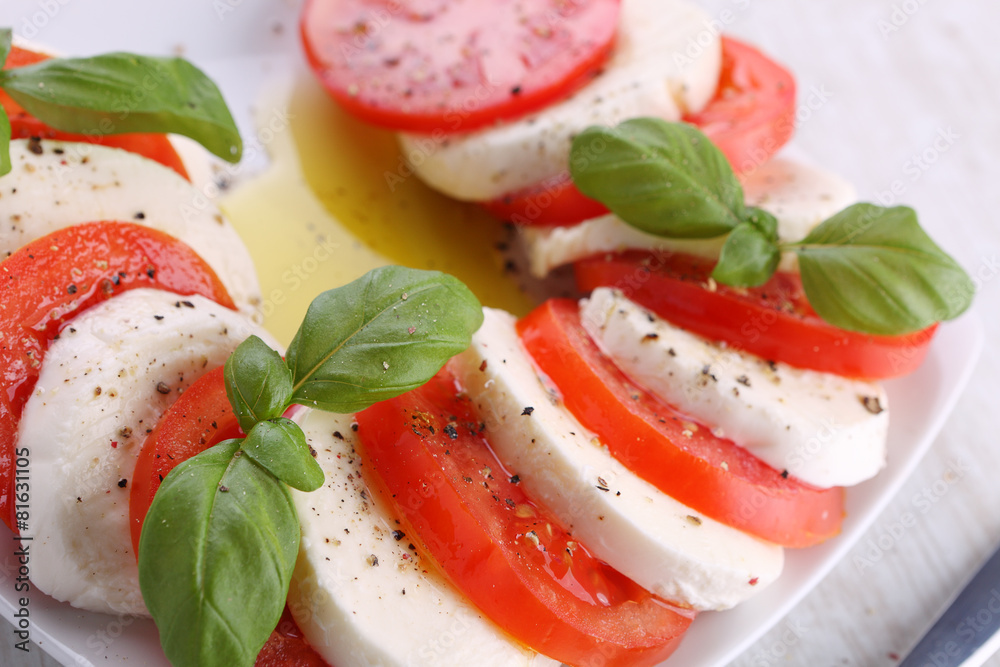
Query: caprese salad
x,y
725,364
571,487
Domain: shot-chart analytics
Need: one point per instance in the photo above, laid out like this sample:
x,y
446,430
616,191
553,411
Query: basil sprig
x,y
219,543
868,268
116,93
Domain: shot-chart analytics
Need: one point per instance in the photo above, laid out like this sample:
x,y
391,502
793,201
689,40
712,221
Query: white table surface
x,y
884,79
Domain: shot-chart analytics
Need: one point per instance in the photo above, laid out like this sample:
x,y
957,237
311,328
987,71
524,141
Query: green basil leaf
x,y
380,336
216,556
280,446
748,257
6,42
122,92
258,383
663,178
5,133
763,222
874,270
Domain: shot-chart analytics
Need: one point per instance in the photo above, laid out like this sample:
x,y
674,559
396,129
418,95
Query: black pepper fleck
x,y
872,404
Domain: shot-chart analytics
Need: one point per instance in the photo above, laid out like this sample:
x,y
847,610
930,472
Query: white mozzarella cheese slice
x,y
659,543
102,386
208,174
666,62
68,183
361,595
800,196
823,429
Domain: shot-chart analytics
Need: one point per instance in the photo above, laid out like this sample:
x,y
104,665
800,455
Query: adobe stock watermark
x,y
921,503
900,15
919,164
33,24
776,653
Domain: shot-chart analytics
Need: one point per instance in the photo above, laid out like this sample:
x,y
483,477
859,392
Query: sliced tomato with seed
x,y
454,66
676,454
774,321
47,282
25,126
751,116
430,455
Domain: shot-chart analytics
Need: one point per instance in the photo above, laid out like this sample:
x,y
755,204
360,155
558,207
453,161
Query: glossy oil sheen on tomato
x,y
338,200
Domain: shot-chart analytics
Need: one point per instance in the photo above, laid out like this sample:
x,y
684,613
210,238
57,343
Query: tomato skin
x,y
200,418
24,126
47,282
488,62
774,321
430,459
751,116
666,448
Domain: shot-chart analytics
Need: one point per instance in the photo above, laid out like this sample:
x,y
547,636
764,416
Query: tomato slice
x,y
287,647
751,116
48,281
24,126
515,562
454,66
773,321
200,418
669,450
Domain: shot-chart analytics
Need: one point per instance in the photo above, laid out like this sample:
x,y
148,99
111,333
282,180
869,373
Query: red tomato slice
x,y
774,321
454,66
200,418
50,280
680,457
751,116
505,553
753,112
23,125
287,647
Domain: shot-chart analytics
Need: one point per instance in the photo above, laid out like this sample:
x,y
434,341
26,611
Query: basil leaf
x,y
5,133
122,92
216,556
258,383
663,178
279,445
748,258
6,42
763,222
380,336
874,270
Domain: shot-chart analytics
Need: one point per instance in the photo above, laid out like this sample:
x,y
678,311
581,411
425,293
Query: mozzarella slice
x,y
208,173
361,595
666,62
68,183
824,429
103,384
800,196
661,544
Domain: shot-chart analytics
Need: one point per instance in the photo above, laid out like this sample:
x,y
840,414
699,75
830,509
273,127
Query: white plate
x,y
237,41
